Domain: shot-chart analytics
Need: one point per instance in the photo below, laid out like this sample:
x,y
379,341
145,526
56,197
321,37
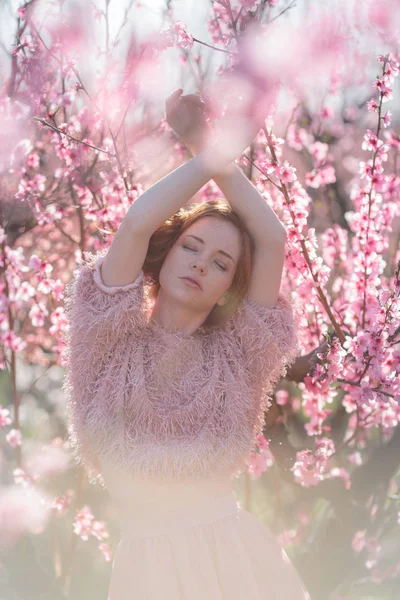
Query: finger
x,y
194,103
194,98
174,96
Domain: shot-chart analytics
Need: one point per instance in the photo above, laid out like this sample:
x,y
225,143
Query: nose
x,y
198,266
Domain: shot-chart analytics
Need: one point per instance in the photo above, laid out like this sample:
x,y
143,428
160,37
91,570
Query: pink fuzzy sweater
x,y
165,405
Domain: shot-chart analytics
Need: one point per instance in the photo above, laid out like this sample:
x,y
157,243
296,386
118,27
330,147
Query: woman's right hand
x,y
179,114
187,116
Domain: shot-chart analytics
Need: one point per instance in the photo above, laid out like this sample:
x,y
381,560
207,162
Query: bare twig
x,y
214,47
292,5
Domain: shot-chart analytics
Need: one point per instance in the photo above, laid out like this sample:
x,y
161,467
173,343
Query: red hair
x,y
167,234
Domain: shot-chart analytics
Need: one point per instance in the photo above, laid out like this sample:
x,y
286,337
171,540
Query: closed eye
x,y
193,250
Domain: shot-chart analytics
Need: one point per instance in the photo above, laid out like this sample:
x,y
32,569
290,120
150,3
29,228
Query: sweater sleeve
x,y
101,321
96,310
267,340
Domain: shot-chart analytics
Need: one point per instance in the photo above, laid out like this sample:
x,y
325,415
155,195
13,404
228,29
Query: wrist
x,y
215,163
193,149
227,170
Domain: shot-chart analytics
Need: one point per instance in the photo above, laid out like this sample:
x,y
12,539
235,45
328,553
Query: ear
x,y
223,299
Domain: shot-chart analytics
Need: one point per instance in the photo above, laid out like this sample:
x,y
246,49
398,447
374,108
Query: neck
x,y
174,317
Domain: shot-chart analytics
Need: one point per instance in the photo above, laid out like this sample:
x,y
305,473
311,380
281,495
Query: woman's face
x,y
202,252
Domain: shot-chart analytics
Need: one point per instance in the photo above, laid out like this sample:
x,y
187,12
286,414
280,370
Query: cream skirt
x,y
211,550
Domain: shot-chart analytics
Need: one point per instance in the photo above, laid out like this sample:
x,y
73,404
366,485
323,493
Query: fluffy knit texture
x,y
164,405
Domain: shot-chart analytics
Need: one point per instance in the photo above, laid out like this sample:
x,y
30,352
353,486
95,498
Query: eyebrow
x,y
202,241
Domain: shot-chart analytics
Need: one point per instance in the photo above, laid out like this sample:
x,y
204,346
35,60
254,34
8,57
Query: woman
x,y
172,360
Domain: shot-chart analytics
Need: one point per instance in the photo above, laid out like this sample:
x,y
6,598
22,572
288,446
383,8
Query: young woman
x,y
176,338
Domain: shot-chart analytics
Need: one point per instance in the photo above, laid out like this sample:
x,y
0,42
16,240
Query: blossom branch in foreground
x,y
46,124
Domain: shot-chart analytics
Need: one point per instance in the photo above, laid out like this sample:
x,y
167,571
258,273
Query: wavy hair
x,y
168,233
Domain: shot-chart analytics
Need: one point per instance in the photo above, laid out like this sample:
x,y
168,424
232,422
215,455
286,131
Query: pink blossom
x,y
62,503
372,105
382,153
37,314
35,185
315,425
99,530
22,510
14,438
83,523
23,478
385,90
4,417
297,138
370,141
374,548
43,267
276,144
256,464
287,173
12,341
387,119
282,397
325,448
268,165
183,39
250,4
327,175
97,14
355,459
259,462
358,541
319,177
287,537
33,160
262,443
393,139
106,551
366,169
319,151
21,150
341,472
326,112
304,469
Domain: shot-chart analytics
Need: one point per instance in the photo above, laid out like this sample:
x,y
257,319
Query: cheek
x,y
222,283
170,266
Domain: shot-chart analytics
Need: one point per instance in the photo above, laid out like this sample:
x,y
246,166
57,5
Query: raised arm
x,y
127,252
168,195
164,198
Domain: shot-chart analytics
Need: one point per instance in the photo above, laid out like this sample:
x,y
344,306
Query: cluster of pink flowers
x,y
182,39
85,526
259,462
343,360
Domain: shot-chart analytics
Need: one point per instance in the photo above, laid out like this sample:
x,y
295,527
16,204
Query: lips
x,y
193,280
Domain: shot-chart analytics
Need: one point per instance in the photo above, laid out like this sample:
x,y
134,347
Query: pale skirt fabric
x,y
211,549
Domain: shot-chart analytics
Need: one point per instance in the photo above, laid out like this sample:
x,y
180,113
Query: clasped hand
x,y
190,117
